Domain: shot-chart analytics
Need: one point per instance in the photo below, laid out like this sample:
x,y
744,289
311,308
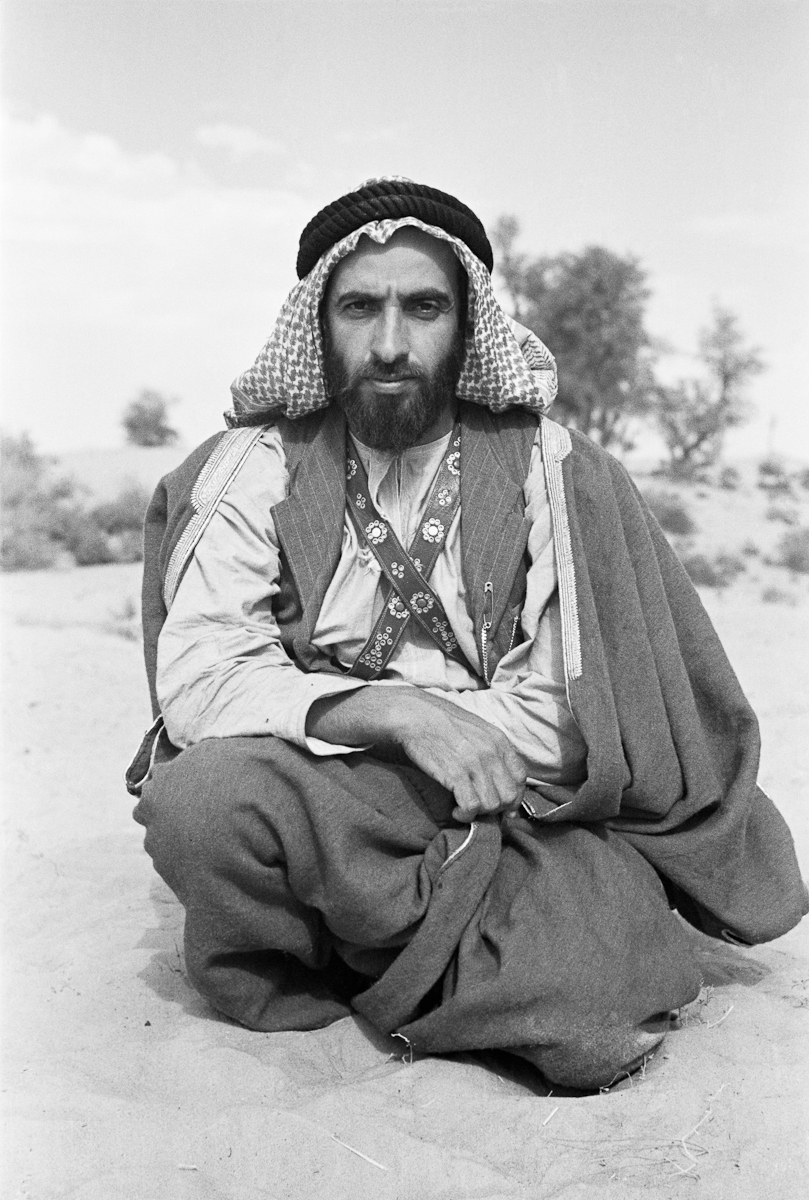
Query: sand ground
x,y
120,1084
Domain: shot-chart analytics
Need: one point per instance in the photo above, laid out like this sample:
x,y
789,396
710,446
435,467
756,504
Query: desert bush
x,y
793,550
716,572
44,518
701,570
772,477
121,523
38,509
730,479
687,472
110,532
88,543
128,546
730,565
125,513
671,512
779,512
776,595
750,549
26,546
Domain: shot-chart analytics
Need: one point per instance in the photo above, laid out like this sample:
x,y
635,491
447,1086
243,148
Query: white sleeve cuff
x,y
311,688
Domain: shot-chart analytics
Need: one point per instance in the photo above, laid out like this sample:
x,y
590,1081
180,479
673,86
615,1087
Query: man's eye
x,y
426,308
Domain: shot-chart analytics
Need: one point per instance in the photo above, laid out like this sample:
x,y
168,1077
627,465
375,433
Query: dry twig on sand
x,y
686,1143
713,1024
358,1153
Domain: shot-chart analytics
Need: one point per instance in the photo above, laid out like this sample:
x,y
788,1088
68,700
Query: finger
x,y
480,797
485,794
496,789
467,805
492,805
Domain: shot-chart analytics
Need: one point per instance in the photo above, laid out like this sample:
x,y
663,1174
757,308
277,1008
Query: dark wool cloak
x,y
672,744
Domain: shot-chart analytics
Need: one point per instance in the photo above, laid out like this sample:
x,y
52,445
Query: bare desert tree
x,y
589,308
695,414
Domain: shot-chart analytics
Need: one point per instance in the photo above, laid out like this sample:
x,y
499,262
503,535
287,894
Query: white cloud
x,y
241,142
128,269
43,145
147,213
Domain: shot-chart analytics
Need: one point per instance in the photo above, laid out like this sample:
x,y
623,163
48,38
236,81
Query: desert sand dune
x,y
121,1084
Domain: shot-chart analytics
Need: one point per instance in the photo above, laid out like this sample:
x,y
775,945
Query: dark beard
x,y
397,421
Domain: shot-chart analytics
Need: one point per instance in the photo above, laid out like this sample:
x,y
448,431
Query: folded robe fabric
x,y
673,745
672,760
314,886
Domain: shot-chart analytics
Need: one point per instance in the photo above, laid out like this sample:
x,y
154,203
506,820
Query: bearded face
x,y
393,322
409,403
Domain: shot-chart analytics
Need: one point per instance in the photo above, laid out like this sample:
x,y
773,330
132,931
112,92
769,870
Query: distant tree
x,y
512,266
589,309
695,414
146,420
38,510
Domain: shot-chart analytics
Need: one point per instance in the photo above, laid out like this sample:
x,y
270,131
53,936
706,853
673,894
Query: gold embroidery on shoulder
x,y
556,446
227,456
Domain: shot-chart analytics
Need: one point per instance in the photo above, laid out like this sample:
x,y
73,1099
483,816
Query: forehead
x,y
408,261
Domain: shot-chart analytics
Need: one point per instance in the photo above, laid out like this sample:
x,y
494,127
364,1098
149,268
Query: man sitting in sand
x,y
444,734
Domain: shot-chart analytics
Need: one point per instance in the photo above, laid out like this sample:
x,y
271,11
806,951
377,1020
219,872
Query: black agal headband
x,y
383,199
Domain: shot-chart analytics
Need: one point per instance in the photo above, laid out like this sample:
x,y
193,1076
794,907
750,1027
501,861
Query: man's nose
x,y
390,341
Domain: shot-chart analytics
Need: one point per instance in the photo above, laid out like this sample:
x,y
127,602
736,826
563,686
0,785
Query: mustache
x,y
398,421
387,373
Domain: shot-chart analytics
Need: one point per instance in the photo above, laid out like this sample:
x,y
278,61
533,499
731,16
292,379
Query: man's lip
x,y
390,385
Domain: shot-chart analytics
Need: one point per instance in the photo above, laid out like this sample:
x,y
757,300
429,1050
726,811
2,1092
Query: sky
x,y
160,159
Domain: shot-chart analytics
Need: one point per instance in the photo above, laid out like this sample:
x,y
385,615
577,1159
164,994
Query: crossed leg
x,y
287,863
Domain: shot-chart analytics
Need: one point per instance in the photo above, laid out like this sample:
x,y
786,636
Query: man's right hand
x,y
471,758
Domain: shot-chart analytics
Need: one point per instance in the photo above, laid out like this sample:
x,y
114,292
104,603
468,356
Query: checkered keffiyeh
x,y
498,372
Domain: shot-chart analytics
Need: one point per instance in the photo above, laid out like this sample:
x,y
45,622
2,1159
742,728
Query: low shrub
x,y
772,477
770,467
92,541
793,550
750,549
671,512
88,544
124,514
44,520
731,565
26,547
716,572
730,479
778,512
127,547
701,570
37,509
776,595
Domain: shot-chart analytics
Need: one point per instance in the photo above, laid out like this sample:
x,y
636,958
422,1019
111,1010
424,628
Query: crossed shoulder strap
x,y
406,591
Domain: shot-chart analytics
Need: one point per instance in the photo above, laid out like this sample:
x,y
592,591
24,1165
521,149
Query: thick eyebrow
x,y
428,293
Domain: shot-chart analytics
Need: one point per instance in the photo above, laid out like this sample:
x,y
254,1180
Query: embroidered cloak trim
x,y
673,746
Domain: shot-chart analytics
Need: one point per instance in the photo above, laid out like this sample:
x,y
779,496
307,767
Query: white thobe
x,y
223,672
